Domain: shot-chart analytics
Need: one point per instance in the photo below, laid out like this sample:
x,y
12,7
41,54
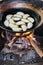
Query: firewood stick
x,y
37,49
13,40
10,43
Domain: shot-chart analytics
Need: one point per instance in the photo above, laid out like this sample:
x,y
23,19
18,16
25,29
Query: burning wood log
x,y
34,43
13,40
37,49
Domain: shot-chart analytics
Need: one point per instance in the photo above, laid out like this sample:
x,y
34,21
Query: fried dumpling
x,y
6,23
17,29
13,26
25,20
24,28
16,18
8,16
12,21
31,19
26,16
20,23
29,25
20,13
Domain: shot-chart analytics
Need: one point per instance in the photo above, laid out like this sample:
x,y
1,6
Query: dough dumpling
x,y
20,13
29,25
18,16
16,19
17,29
26,16
8,16
20,23
24,28
11,21
6,23
12,25
25,20
31,19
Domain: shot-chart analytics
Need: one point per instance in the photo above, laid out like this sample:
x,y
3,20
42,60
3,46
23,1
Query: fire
x,y
30,36
17,34
23,34
26,33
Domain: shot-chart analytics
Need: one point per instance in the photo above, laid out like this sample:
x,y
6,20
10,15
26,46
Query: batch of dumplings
x,y
19,21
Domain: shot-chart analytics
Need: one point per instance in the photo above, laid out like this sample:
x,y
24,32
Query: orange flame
x,y
25,33
30,36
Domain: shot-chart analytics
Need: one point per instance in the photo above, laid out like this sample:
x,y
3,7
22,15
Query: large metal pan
x,y
32,13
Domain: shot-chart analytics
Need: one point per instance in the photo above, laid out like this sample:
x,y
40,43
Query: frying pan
x,y
32,13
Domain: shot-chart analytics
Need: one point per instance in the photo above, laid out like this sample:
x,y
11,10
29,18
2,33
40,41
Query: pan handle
x,y
36,47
